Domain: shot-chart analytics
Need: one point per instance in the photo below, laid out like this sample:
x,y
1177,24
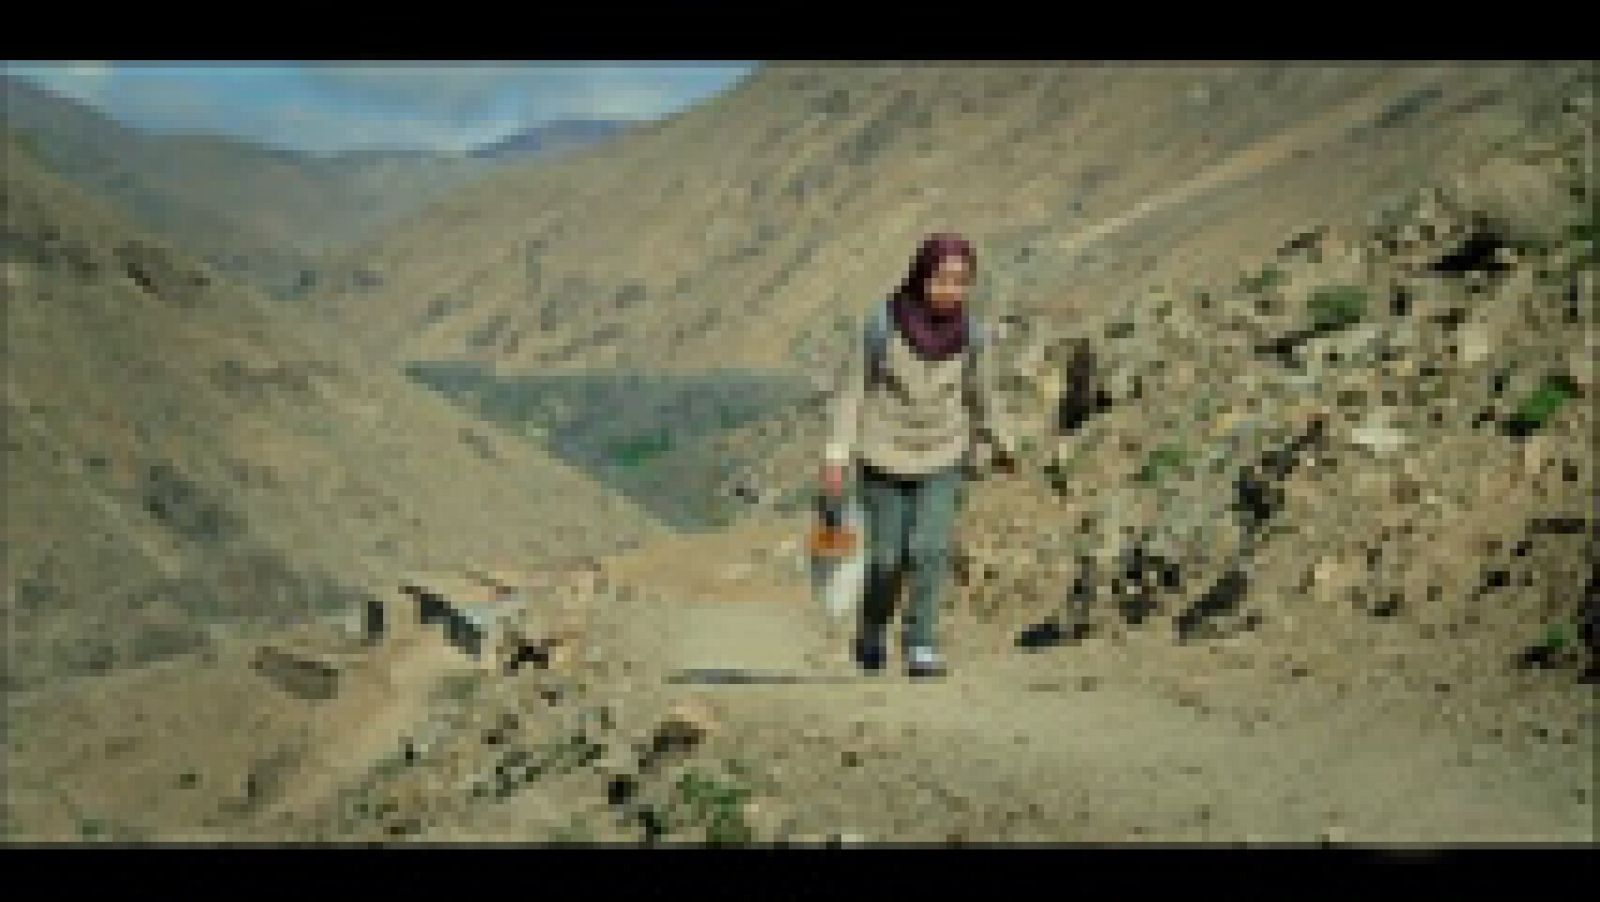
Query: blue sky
x,y
324,107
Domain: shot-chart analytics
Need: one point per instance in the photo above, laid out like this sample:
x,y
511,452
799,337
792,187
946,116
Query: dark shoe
x,y
1042,635
871,656
1050,634
924,663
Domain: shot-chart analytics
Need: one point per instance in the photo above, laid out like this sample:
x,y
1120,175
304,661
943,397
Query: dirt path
x,y
1070,745
1053,747
388,698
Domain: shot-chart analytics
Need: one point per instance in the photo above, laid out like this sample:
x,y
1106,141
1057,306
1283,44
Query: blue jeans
x,y
908,521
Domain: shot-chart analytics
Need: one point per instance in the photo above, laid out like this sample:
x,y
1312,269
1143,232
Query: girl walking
x,y
914,400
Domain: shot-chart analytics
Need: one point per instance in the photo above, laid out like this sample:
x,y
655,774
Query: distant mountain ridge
x,y
263,214
552,137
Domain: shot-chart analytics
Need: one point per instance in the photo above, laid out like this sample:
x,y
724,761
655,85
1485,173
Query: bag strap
x,y
877,340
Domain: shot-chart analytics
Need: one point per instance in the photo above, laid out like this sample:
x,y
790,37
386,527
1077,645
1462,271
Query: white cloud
x,y
87,71
84,80
538,91
323,129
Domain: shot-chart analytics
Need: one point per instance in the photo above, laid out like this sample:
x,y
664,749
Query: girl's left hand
x,y
1005,463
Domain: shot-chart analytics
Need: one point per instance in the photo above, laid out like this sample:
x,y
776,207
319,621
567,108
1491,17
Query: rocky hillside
x,y
178,456
1367,458
252,213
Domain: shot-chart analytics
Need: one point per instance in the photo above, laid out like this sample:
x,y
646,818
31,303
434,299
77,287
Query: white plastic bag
x,y
838,581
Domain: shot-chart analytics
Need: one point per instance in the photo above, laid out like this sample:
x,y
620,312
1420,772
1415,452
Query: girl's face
x,y
947,287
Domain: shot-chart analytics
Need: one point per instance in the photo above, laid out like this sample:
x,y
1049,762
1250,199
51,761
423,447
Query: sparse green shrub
x,y
1557,637
1337,307
717,805
458,687
186,508
1584,229
1269,277
1162,460
1537,409
1582,233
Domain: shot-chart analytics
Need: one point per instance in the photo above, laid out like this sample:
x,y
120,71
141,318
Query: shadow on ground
x,y
731,676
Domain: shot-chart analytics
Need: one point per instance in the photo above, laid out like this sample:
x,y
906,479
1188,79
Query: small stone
x,y
685,726
1379,439
694,715
621,789
1475,345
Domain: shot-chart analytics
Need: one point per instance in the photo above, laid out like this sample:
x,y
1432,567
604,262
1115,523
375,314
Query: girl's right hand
x,y
833,479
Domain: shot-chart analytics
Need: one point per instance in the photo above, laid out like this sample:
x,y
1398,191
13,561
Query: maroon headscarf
x,y
933,334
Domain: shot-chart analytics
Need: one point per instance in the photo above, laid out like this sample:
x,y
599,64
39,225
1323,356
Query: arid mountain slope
x,y
178,454
742,232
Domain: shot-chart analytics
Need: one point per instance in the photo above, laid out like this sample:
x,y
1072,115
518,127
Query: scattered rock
x,y
686,724
621,789
298,673
1379,439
